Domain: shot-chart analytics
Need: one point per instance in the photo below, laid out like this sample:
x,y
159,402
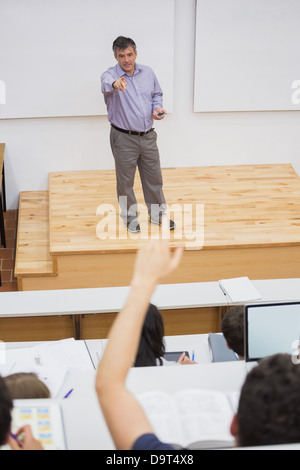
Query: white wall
x,y
35,147
252,46
58,49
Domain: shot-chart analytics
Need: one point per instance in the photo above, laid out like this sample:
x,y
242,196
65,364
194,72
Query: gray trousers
x,y
131,152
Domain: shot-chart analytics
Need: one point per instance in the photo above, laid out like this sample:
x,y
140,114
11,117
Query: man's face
x,y
126,59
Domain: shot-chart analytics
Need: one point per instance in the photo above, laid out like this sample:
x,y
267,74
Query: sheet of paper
x,y
51,361
68,353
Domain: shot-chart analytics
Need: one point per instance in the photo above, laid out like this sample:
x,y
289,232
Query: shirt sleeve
x,y
157,98
150,442
107,79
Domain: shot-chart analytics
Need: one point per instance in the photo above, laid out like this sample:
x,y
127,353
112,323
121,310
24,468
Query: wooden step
x,y
32,249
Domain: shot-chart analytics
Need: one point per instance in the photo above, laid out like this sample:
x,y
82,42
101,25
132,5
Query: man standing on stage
x,y
134,98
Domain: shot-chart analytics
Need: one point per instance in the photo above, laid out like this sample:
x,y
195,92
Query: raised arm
x,y
124,416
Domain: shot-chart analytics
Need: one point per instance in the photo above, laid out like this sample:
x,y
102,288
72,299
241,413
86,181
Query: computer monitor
x,y
271,329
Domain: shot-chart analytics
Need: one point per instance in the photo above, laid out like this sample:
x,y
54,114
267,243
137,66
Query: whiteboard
x,y
247,55
53,52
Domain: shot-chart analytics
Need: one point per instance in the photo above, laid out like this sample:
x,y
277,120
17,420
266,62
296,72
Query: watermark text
x,y
189,220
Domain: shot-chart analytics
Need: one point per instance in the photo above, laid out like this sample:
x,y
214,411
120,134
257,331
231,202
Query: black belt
x,y
132,132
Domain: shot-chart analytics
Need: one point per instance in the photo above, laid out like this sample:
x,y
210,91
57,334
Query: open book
x,y
191,418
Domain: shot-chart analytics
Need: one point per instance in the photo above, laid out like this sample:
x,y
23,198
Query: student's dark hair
x,y
269,407
151,345
123,43
6,406
232,327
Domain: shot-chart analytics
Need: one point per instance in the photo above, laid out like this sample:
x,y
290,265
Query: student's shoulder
x,y
150,442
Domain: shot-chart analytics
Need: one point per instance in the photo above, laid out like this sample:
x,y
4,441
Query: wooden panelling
x,y
36,328
176,322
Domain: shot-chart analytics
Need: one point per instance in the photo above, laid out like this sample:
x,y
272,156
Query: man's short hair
x,y
269,407
232,327
123,43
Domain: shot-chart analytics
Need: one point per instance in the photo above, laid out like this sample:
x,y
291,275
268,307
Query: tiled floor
x,y
7,255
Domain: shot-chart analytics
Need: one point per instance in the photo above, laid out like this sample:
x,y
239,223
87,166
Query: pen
x,y
193,355
18,438
69,393
222,289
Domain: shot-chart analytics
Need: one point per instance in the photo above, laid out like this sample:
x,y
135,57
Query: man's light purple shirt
x,y
132,109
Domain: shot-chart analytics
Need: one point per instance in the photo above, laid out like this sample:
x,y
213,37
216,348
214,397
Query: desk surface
x,y
84,423
224,377
112,299
85,427
191,343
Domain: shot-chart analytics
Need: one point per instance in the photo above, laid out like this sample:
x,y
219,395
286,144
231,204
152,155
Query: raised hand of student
x,y
156,261
119,406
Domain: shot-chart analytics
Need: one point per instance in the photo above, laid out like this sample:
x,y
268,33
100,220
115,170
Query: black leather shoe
x,y
133,227
159,222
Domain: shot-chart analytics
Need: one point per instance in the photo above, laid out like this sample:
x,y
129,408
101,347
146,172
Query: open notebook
x,y
239,289
193,419
45,419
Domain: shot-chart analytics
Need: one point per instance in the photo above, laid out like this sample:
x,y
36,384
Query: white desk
x,y
112,299
276,290
84,423
85,426
191,343
105,299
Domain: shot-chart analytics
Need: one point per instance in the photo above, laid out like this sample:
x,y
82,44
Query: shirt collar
x,y
121,72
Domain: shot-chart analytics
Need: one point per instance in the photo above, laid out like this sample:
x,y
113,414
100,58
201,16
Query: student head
x,y
151,346
6,406
232,327
269,407
26,385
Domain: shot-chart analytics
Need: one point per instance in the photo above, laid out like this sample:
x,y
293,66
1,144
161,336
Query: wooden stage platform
x,y
233,220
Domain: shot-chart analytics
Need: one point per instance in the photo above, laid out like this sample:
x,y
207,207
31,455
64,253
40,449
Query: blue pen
x,y
193,355
69,393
